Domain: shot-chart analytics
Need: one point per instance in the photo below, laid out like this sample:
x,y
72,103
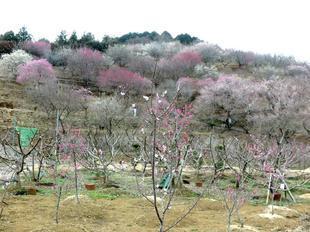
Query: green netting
x,y
26,135
165,181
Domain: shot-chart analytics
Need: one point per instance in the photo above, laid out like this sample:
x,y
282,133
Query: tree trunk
x,y
76,178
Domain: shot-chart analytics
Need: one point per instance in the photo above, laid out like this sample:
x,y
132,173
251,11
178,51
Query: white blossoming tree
x,y
10,62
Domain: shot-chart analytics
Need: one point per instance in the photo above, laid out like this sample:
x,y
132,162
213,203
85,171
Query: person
x,y
134,110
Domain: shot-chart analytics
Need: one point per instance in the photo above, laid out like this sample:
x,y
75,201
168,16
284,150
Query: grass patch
x,y
99,195
45,191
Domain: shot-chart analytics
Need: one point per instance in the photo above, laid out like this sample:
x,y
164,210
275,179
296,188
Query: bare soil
x,y
36,213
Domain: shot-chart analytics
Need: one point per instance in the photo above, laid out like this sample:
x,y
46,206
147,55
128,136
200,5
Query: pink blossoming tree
x,y
35,70
86,64
165,142
39,48
121,79
181,64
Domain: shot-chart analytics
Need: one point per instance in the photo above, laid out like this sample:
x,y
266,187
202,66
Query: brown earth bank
x,y
36,213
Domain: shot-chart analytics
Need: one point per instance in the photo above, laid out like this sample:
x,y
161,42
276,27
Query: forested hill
x,y
229,89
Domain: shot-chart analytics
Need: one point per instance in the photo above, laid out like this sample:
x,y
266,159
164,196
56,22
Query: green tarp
x,y
165,182
26,135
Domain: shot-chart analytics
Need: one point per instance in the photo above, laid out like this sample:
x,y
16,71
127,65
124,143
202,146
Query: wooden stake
x,y
268,191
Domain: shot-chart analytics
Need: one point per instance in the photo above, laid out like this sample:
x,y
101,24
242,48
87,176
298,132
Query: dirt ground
x,y
36,213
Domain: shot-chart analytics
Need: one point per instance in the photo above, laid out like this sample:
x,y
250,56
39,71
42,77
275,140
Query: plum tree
x,y
181,64
9,62
38,48
86,64
121,79
227,101
35,70
121,55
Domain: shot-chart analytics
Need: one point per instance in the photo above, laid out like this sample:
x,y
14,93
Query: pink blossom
x,y
123,79
187,58
35,70
39,48
89,54
86,63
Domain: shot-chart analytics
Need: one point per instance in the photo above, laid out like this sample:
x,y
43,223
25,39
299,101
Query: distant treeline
x,y
10,39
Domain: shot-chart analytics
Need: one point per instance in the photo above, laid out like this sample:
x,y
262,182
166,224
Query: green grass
x,y
46,191
100,195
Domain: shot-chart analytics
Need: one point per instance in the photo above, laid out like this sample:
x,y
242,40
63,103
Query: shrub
x,y
35,70
122,79
39,48
86,64
10,62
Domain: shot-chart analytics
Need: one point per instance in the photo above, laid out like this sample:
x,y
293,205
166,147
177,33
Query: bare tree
x,y
15,154
167,144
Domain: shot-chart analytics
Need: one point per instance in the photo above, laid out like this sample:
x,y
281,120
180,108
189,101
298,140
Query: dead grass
x,y
36,213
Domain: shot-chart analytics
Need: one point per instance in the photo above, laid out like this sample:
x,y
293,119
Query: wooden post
x,y
268,191
286,186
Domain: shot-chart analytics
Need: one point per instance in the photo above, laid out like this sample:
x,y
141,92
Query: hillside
x,y
192,129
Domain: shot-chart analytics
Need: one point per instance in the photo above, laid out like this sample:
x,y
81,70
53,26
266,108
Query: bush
x,y
121,79
10,62
35,70
39,48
